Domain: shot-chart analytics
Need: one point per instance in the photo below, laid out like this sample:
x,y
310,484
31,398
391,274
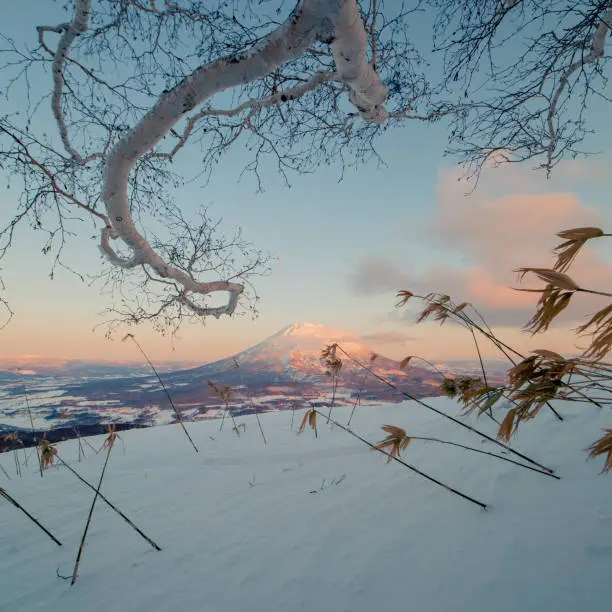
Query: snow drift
x,y
306,523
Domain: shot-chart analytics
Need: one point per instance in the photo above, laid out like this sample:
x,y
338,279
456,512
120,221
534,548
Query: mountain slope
x,y
294,354
279,373
306,523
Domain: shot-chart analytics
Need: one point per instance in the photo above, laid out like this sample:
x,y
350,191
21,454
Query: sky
x,y
343,249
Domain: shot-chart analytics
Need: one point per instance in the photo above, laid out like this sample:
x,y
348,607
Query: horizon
x,y
407,221
17,362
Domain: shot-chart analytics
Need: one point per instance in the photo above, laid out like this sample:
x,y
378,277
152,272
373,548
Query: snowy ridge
x,y
304,523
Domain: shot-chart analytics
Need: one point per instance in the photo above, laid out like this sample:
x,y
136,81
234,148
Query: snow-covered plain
x,y
318,524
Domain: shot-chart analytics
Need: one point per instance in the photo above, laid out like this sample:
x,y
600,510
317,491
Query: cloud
x,y
376,275
484,237
388,337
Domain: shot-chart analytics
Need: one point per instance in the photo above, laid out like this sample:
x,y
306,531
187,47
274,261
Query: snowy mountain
x,y
305,524
281,372
287,366
295,351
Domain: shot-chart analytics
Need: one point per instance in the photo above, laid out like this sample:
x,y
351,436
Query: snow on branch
x,y
337,22
596,53
69,32
349,45
292,93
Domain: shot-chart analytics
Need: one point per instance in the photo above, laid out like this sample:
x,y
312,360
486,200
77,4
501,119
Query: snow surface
x,y
317,524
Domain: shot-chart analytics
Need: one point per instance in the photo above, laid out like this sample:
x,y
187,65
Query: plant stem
x,y
357,400
483,452
333,397
108,503
90,515
593,292
25,394
161,382
17,464
4,471
15,503
445,415
402,462
432,365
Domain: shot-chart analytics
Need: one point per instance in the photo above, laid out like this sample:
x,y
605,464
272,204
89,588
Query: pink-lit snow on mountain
x,y
297,348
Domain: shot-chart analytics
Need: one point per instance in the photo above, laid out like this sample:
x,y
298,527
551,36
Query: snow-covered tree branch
x,y
130,87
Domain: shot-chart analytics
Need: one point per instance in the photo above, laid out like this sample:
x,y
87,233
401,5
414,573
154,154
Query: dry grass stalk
x,y
330,360
111,437
545,375
225,395
419,401
108,503
48,453
603,446
14,502
398,440
13,439
177,413
108,445
475,396
333,364
402,462
29,410
250,399
534,383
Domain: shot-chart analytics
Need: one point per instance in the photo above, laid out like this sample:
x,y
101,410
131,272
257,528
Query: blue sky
x,y
343,248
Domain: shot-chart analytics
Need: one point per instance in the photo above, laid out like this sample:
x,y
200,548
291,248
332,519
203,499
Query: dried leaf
x,y
600,328
449,387
47,453
403,297
556,279
486,398
574,241
394,443
581,233
549,354
507,427
551,304
404,362
310,419
603,446
112,436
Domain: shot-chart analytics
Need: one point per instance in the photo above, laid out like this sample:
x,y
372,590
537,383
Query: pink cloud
x,y
506,223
